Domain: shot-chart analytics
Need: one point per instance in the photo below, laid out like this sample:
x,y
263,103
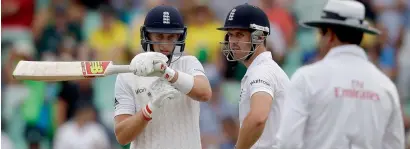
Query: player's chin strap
x,y
257,38
253,49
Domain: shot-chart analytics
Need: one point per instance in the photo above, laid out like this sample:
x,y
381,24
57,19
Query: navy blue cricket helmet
x,y
250,18
163,19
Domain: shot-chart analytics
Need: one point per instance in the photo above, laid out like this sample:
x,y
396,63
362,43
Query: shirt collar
x,y
261,57
350,49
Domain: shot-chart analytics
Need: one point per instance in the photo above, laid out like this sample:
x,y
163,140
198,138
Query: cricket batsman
x,y
263,85
157,107
342,101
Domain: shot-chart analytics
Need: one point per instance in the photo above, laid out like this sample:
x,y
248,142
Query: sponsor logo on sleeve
x,y
199,70
259,81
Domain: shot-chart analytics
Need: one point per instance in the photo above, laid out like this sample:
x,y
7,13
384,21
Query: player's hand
x,y
159,92
161,69
148,63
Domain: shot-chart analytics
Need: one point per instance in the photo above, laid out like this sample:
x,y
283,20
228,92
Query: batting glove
x,y
161,69
159,91
144,64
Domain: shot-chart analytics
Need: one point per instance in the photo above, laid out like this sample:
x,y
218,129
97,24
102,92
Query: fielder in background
x,y
343,100
263,85
157,107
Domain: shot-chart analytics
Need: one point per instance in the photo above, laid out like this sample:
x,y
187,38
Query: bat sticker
x,y
93,68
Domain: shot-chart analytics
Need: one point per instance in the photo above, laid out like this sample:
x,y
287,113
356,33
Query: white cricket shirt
x,y
90,136
176,124
264,75
6,143
341,102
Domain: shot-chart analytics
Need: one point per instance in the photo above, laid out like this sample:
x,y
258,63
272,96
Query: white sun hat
x,y
348,13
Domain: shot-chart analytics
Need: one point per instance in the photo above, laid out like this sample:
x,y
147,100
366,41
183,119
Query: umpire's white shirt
x,y
264,75
341,102
90,136
176,124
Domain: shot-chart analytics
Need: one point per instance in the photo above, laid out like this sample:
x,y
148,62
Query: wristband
x,y
146,112
184,83
169,74
147,118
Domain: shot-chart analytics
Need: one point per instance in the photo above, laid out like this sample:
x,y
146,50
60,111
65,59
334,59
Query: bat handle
x,y
115,69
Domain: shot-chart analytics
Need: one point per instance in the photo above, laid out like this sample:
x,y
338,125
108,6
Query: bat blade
x,y
65,71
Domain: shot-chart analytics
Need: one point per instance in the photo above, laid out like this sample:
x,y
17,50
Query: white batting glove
x,y
162,70
159,91
143,64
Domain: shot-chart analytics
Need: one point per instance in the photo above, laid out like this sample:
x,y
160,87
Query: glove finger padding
x,y
140,65
159,91
162,90
158,69
143,63
143,69
160,65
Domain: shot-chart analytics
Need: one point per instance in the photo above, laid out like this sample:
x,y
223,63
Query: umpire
x,y
343,100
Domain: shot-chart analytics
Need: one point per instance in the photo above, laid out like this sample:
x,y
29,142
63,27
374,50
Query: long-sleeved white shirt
x,y
341,102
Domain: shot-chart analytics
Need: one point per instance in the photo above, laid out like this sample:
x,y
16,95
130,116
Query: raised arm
x,y
193,81
190,81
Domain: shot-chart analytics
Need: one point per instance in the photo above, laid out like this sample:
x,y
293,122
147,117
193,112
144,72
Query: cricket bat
x,y
65,71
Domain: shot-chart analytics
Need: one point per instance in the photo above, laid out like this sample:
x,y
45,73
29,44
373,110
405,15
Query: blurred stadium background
x,y
66,30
